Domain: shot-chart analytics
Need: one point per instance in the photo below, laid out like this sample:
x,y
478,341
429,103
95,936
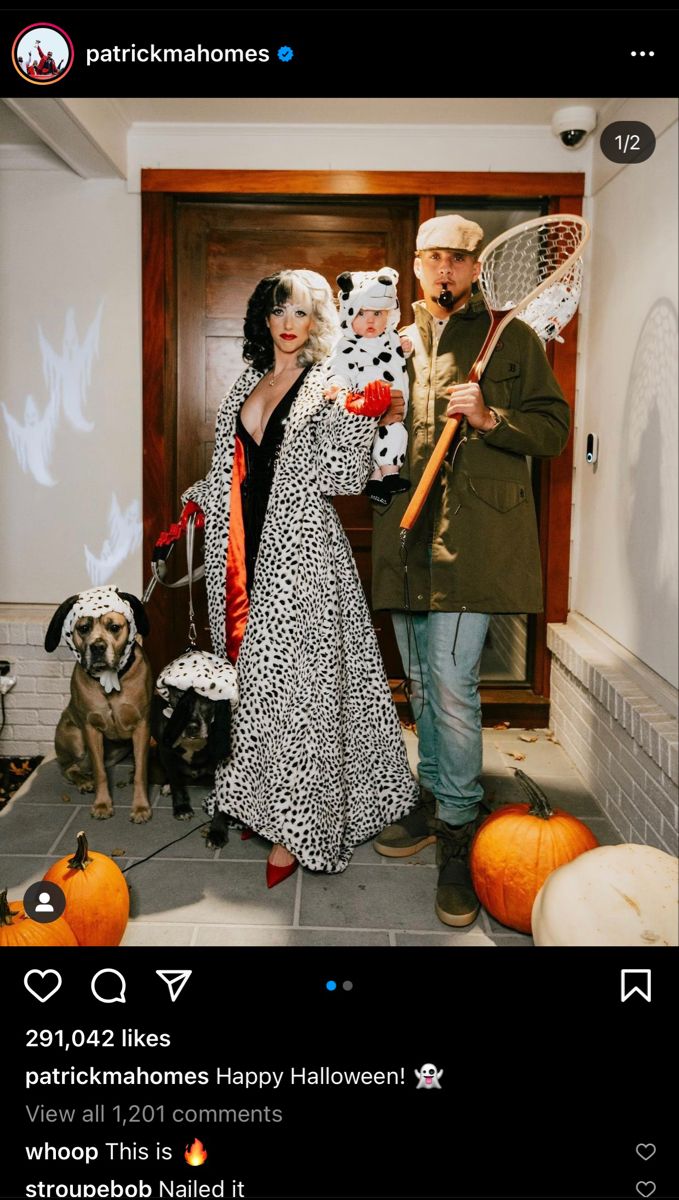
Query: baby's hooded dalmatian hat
x,y
210,676
368,289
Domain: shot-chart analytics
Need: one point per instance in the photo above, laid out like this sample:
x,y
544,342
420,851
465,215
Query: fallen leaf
x,y
121,783
65,798
118,853
502,725
515,754
523,738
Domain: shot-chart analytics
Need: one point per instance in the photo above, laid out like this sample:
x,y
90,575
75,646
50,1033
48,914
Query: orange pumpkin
x,y
97,895
16,929
516,849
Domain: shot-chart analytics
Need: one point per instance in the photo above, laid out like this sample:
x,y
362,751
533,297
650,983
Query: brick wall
x,y
42,689
616,721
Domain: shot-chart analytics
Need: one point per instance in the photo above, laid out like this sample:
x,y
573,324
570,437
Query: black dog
x,y
190,743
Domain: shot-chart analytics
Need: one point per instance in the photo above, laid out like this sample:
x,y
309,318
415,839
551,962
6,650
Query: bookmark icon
x,y
175,980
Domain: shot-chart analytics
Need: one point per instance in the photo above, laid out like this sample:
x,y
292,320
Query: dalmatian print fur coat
x,y
359,360
318,761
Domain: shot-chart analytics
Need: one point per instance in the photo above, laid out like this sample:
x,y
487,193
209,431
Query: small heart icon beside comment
x,y
39,987
645,1150
645,1187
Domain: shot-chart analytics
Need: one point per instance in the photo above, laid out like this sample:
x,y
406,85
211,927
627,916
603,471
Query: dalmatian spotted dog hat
x,y
210,676
94,603
368,289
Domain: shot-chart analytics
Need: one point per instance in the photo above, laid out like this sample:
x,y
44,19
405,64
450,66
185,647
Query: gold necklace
x,y
285,371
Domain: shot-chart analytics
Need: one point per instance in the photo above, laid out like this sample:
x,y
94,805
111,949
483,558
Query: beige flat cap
x,y
449,233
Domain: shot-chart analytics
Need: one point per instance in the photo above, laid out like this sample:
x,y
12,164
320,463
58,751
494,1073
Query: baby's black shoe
x,y
394,485
377,492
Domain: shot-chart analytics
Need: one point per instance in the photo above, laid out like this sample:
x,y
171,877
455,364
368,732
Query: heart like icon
x,y
41,983
645,1187
645,1150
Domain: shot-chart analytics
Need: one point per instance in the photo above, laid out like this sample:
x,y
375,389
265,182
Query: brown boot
x,y
456,901
412,833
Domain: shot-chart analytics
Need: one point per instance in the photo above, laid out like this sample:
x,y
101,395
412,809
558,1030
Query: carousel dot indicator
x,y
331,986
347,985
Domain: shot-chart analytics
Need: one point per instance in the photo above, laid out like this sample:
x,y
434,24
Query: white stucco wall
x,y
338,147
68,247
624,564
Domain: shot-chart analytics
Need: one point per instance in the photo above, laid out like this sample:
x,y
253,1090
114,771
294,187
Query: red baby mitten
x,y
372,401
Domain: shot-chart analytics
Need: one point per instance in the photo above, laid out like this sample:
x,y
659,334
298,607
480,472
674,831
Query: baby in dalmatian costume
x,y
370,349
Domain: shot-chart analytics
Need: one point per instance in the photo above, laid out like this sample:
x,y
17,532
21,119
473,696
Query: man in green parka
x,y
474,549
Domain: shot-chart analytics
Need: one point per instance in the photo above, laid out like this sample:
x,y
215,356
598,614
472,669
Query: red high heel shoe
x,y
276,874
246,834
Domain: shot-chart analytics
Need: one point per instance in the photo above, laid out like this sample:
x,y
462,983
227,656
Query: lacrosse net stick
x,y
533,271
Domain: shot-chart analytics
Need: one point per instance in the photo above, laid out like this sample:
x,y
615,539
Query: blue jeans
x,y
441,652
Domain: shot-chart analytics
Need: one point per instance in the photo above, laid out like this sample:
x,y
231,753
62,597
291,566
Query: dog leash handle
x,y
162,552
190,531
159,569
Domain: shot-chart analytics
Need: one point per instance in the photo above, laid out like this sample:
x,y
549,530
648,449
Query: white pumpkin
x,y
611,896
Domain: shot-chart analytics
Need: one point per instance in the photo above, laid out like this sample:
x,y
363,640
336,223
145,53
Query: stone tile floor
x,y
187,895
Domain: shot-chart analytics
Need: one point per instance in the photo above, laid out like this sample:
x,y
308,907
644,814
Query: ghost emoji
x,y
428,1076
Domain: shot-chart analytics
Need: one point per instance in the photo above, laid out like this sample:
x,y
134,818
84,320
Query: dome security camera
x,y
573,124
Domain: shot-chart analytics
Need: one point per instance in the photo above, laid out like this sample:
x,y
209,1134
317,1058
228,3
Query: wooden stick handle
x,y
498,320
430,472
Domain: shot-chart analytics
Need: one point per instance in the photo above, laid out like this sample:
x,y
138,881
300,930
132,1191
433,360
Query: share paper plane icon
x,y
175,981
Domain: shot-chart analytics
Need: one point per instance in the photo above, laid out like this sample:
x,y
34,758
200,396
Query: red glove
x,y
372,401
189,509
167,538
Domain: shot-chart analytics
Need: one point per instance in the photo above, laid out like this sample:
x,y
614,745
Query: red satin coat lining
x,y
237,601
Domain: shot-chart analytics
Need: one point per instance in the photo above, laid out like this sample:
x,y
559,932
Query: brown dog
x,y
111,690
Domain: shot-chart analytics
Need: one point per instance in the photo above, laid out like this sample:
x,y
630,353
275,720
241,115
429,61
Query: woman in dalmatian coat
x,y
318,762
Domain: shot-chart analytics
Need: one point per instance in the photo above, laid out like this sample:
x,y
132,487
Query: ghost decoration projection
x,y
32,440
124,536
67,371
68,375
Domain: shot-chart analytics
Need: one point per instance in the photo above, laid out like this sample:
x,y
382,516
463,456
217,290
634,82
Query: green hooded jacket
x,y
475,545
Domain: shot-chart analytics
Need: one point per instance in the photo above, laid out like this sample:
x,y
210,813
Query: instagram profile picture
x,y
42,54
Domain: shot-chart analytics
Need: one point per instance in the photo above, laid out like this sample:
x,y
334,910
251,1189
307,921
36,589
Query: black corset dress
x,y
260,465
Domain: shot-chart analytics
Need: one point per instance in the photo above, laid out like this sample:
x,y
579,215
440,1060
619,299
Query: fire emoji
x,y
196,1155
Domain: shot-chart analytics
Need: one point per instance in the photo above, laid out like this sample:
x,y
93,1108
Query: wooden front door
x,y
223,249
346,219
